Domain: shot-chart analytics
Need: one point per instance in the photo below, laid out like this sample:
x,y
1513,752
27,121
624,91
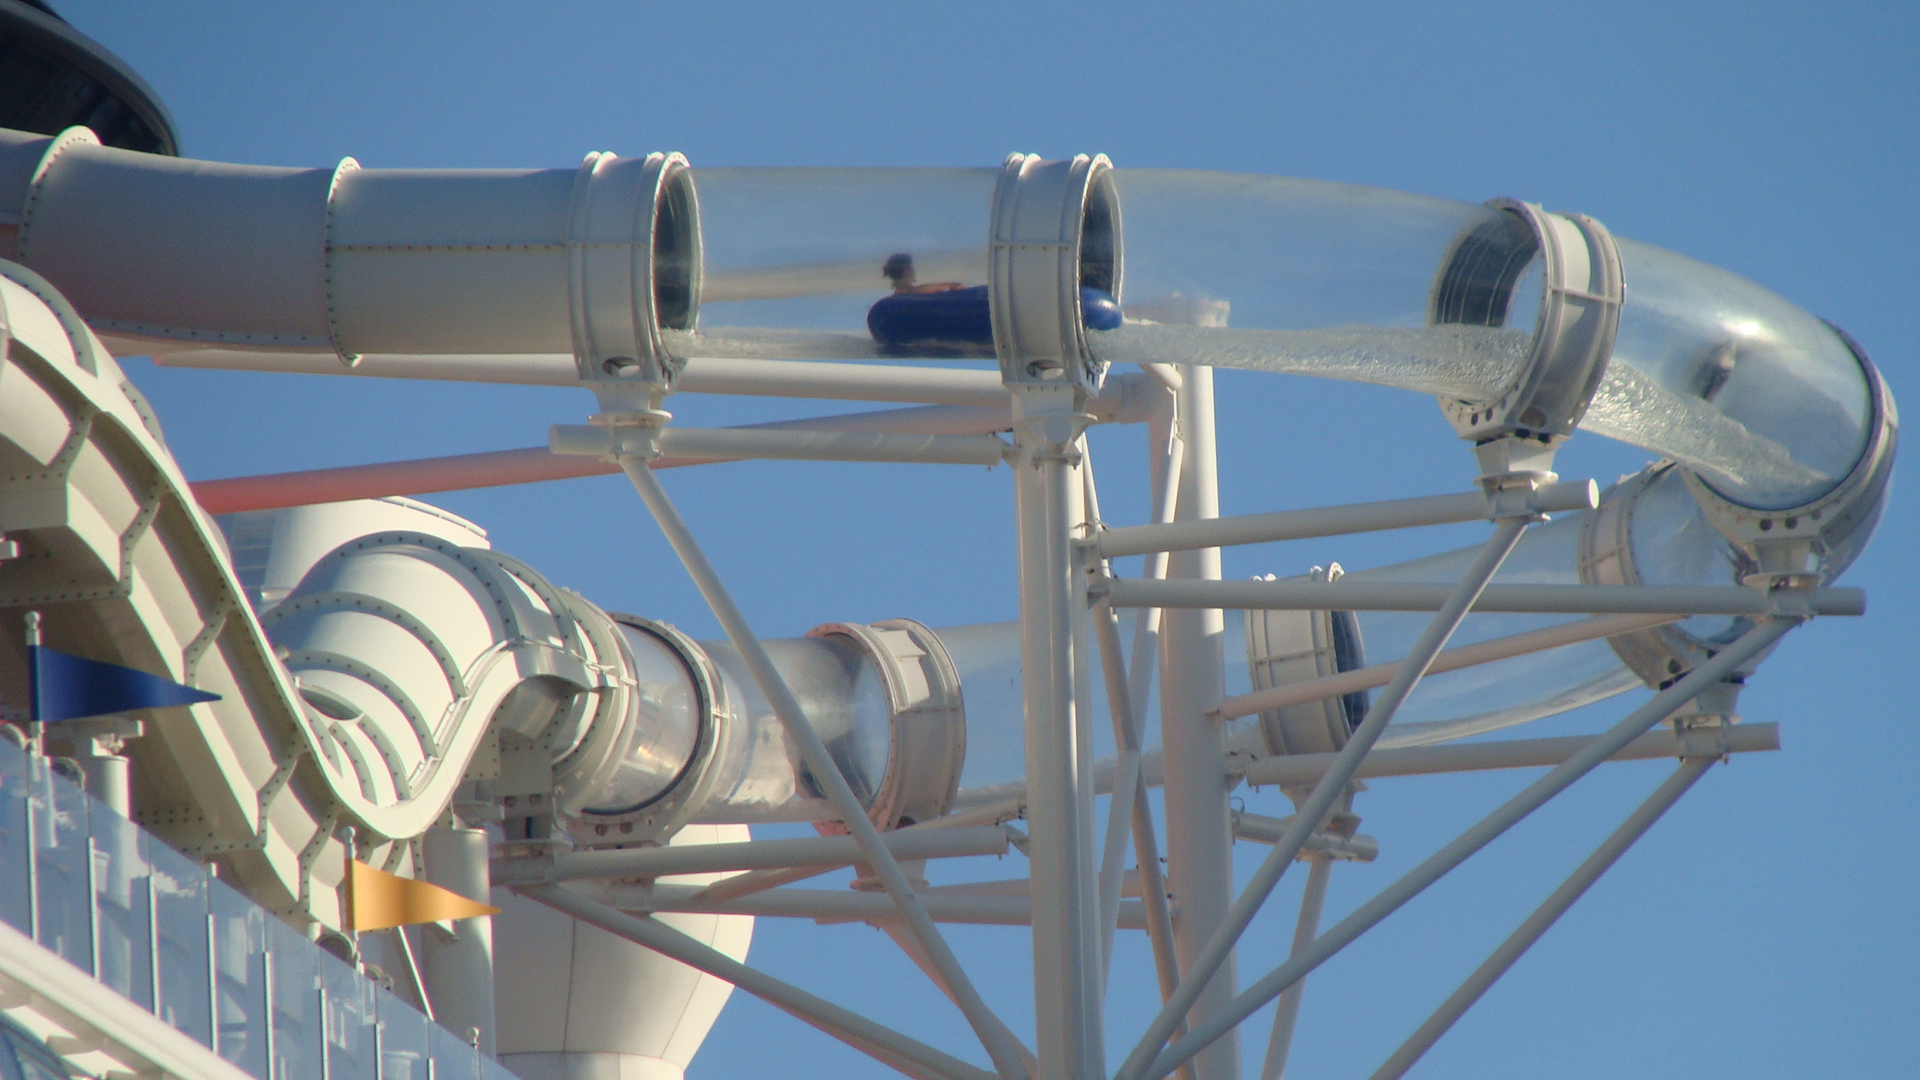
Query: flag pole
x,y
36,730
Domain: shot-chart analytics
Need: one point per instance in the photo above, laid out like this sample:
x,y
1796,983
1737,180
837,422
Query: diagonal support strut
x,y
1000,1043
1543,918
1482,833
1506,534
893,1049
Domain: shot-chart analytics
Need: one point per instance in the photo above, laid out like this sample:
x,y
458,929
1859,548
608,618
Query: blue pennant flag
x,y
70,687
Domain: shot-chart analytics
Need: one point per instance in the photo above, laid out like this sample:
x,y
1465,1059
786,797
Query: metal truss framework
x,y
1074,897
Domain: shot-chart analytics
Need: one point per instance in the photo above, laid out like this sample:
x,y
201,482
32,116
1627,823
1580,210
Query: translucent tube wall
x,y
1314,278
796,259
1508,692
659,749
839,688
1300,276
1303,276
755,774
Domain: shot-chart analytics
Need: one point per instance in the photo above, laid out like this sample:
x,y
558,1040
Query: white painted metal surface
x,y
579,1003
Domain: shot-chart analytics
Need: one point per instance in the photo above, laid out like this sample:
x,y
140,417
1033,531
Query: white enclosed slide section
x,y
345,259
272,552
414,649
405,640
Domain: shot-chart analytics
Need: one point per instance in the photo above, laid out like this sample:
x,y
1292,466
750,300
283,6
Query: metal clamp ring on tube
x,y
664,816
1294,646
1607,557
1055,228
1825,534
598,721
1582,290
633,268
928,746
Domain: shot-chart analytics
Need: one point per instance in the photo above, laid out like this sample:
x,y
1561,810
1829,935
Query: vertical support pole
x,y
153,948
1080,559
1129,815
93,906
1164,455
1199,832
36,769
326,1040
459,975
1055,230
1126,781
379,1033
1066,937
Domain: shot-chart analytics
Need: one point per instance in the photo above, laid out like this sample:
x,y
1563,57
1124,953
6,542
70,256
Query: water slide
x,y
380,665
1761,416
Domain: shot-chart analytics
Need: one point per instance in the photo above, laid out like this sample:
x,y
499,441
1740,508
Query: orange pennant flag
x,y
377,900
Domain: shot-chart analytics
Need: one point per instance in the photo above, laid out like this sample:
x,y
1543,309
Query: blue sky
x,y
1764,929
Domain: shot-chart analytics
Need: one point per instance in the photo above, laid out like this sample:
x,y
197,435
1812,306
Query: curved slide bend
x,y
343,742
407,653
1767,407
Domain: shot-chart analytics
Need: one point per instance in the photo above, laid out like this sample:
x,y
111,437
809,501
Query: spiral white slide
x,y
124,566
353,715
